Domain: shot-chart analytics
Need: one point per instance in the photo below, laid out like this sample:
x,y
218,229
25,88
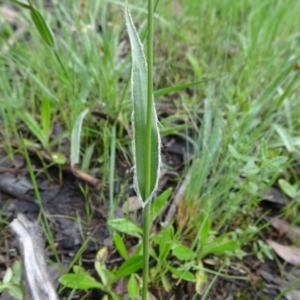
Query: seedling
x,y
12,281
42,131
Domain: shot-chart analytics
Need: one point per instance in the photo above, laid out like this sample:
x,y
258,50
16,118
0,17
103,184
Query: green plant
x,y
293,192
42,131
146,143
168,256
262,250
12,281
253,41
81,279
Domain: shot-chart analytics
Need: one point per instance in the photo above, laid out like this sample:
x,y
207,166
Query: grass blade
x,y
75,138
180,87
34,127
41,26
46,116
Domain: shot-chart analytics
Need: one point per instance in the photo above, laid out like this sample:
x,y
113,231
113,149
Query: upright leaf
x,y
42,27
46,117
159,202
34,127
75,138
139,89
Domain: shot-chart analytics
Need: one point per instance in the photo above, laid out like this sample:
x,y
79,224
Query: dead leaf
x,y
293,295
132,204
177,8
121,286
288,253
186,212
178,198
284,228
274,195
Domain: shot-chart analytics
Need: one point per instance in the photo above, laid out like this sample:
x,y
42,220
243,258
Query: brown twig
x,y
76,172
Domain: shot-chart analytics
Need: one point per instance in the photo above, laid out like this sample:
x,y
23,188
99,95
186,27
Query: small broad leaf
x,y
166,283
159,202
8,276
28,143
139,86
58,158
125,226
276,163
133,287
238,155
17,270
80,281
130,266
75,138
182,274
79,270
287,188
106,276
220,245
182,252
16,291
120,246
41,26
102,254
201,280
285,137
250,168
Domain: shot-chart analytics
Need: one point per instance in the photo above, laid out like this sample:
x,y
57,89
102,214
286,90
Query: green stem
x,y
146,233
62,65
146,213
112,170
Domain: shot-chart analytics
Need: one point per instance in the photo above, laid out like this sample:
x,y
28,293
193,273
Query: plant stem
x,y
112,170
146,233
146,213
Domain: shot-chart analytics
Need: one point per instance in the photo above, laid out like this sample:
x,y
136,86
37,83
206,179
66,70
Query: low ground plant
x,y
12,281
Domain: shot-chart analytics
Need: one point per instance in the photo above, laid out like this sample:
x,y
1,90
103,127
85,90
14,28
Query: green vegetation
x,y
226,76
12,281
